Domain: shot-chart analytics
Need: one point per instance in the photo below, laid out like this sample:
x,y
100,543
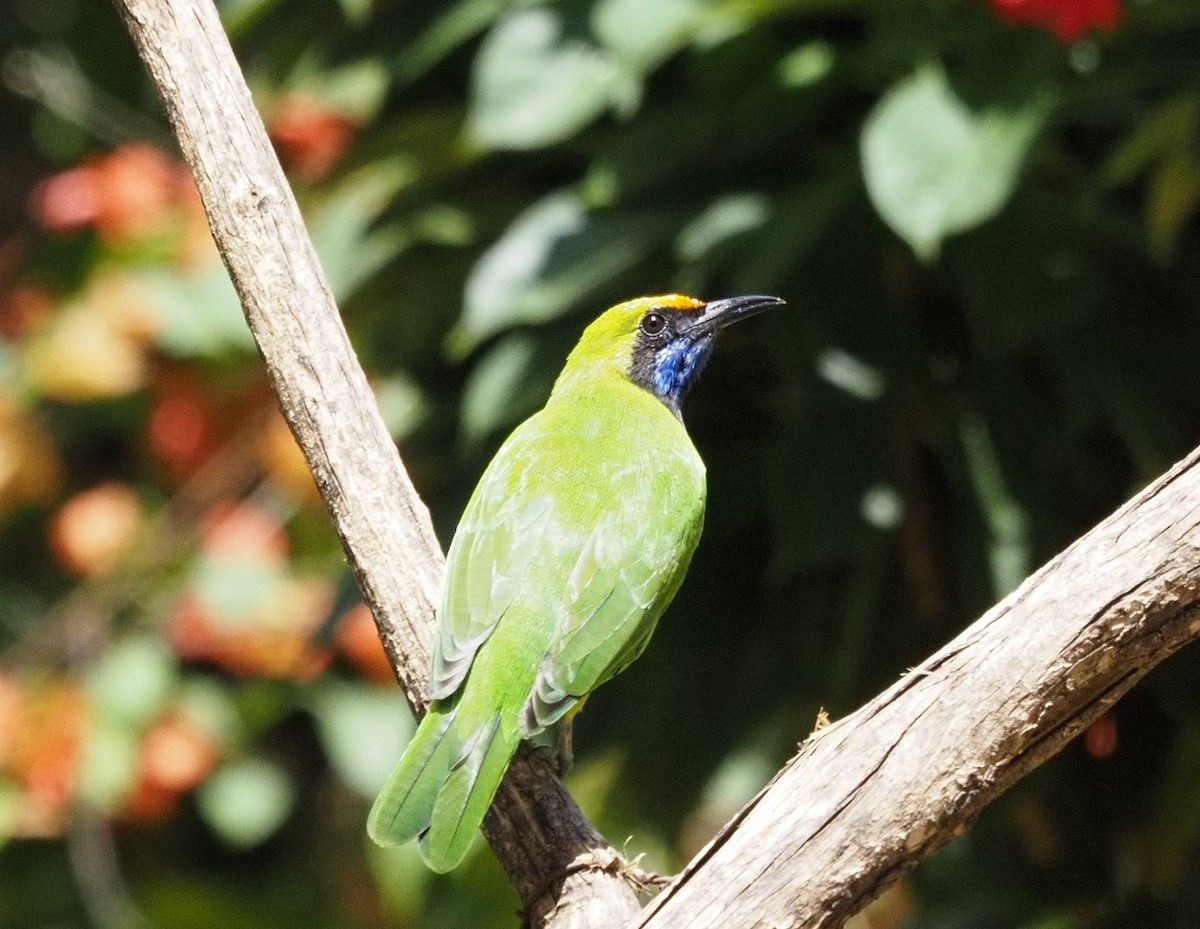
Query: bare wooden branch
x,y
870,796
536,828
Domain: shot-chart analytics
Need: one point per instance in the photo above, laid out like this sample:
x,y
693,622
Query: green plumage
x,y
574,542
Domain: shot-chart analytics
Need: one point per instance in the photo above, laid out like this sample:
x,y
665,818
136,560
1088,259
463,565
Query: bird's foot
x,y
564,748
614,863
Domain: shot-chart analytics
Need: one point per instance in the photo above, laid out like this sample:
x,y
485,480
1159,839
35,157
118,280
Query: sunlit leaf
x,y
807,65
108,767
208,703
857,377
132,680
356,11
364,731
350,249
401,405
494,381
234,590
498,284
401,877
644,34
245,802
355,89
725,217
933,167
552,255
457,24
535,85
1009,545
201,313
240,15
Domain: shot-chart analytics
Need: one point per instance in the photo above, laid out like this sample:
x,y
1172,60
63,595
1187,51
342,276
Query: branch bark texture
x,y
870,796
536,828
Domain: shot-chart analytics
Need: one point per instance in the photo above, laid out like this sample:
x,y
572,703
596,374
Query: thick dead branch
x,y
870,796
536,828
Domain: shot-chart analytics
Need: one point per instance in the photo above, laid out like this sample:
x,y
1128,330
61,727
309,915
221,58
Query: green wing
x,y
586,565
491,553
615,593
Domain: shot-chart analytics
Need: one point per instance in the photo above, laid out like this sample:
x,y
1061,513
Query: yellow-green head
x,y
660,343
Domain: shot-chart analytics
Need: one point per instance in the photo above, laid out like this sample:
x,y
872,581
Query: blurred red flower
x,y
1069,20
123,194
310,136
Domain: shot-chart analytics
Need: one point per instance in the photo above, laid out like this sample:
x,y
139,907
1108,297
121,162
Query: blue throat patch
x,y
677,365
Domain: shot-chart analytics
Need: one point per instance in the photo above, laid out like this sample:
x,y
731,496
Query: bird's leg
x,y
563,746
564,750
613,862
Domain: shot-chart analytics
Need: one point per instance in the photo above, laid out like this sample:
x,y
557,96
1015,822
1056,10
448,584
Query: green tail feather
x,y
443,785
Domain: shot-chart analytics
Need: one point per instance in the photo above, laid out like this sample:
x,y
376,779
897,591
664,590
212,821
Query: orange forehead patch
x,y
677,302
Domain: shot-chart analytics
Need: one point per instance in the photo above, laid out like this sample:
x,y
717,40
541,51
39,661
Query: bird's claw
x,y
632,872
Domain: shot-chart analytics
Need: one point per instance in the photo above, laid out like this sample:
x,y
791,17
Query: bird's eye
x,y
653,323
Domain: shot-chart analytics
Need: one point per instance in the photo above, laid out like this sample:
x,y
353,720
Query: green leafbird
x,y
571,547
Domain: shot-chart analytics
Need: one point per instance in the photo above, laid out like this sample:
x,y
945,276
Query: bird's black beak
x,y
721,313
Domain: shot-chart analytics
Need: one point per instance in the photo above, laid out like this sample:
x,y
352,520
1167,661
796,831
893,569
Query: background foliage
x,y
982,214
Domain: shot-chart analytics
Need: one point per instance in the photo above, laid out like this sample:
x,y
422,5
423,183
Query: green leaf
x,y
364,731
350,249
553,255
132,681
1009,545
209,704
497,287
1172,200
933,167
233,590
644,34
725,217
246,802
807,65
1164,133
487,399
401,877
355,89
357,12
12,801
238,16
201,312
534,86
454,27
108,769
401,404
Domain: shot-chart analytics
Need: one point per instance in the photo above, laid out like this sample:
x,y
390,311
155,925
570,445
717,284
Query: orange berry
x,y
92,531
176,754
243,531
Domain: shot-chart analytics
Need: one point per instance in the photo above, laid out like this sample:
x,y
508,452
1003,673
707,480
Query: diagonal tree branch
x,y
537,830
870,796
